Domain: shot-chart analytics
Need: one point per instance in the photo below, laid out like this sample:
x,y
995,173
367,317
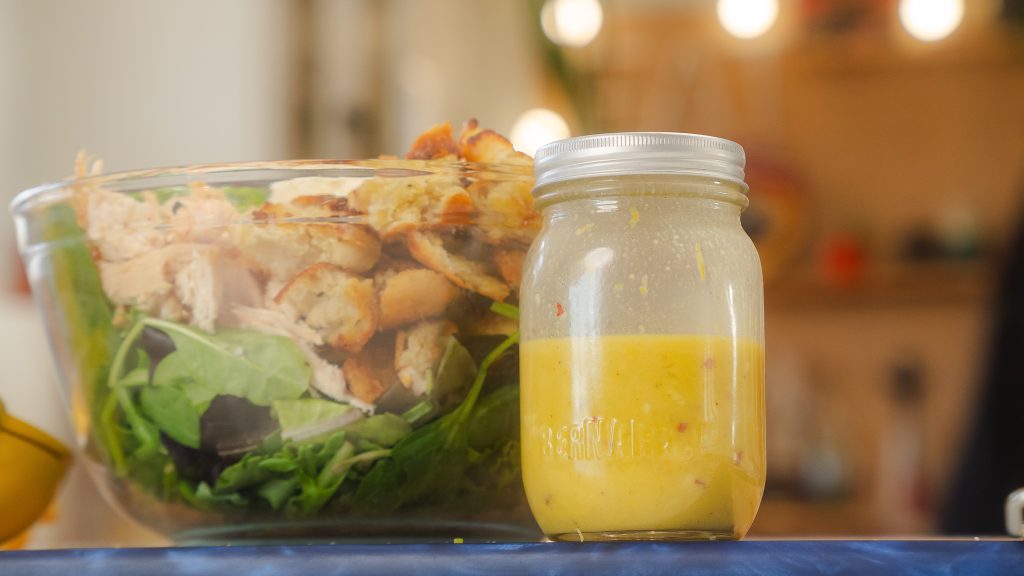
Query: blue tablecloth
x,y
748,557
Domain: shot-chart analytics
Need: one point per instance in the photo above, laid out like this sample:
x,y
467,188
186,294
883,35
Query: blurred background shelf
x,y
822,518
934,284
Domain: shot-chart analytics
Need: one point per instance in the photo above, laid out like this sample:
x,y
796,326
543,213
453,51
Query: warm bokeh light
x,y
535,128
572,23
747,18
931,20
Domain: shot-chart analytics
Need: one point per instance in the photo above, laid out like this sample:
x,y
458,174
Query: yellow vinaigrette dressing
x,y
655,436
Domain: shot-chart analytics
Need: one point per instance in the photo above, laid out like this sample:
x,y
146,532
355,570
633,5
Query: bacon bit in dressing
x,y
559,310
584,229
738,457
709,363
699,482
547,499
634,217
700,261
681,427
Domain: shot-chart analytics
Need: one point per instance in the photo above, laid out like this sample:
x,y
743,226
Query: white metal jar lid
x,y
625,153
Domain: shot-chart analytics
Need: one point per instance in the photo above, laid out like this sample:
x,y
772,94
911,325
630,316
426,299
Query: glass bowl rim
x,y
63,189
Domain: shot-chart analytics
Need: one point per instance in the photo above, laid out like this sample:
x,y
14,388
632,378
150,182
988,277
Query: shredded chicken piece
x,y
121,227
419,350
210,282
340,306
428,249
276,322
202,216
330,381
145,281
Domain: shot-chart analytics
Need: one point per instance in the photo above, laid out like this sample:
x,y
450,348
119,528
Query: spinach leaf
x,y
277,491
311,418
170,409
455,372
173,369
247,364
232,425
316,490
135,377
243,474
382,429
496,418
201,496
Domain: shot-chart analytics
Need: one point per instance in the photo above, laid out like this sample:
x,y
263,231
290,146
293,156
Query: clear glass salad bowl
x,y
317,350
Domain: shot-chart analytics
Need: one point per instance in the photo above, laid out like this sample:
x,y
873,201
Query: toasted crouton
x,y
340,306
418,351
281,247
510,266
506,212
414,295
476,145
372,372
394,206
389,266
428,249
434,144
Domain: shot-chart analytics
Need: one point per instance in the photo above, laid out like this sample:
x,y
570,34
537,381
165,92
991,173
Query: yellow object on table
x,y
32,464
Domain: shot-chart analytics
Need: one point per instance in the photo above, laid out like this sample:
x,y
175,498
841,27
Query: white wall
x,y
455,59
142,84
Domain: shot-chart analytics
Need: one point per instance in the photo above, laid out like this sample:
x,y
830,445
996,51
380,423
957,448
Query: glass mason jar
x,y
642,364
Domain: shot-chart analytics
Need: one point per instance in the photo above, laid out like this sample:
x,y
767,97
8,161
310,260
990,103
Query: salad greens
x,y
251,365
315,449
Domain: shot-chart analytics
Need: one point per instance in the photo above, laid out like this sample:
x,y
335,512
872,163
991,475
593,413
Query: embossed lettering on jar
x,y
642,354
